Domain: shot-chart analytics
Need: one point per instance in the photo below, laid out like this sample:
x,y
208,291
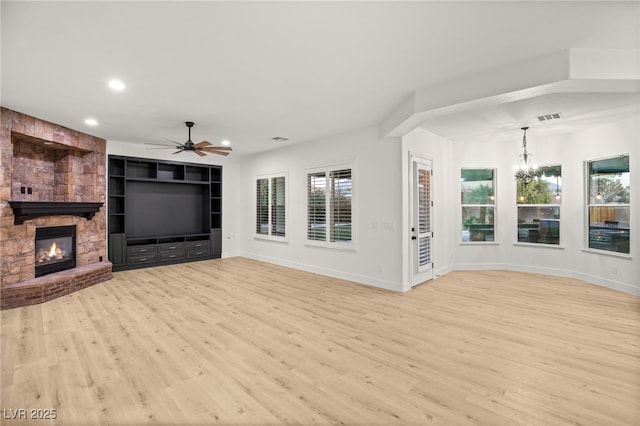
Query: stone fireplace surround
x,y
59,165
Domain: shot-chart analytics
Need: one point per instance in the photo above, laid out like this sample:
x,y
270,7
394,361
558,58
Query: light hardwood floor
x,y
236,341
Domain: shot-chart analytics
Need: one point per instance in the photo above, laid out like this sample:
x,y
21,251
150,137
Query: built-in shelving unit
x,y
163,212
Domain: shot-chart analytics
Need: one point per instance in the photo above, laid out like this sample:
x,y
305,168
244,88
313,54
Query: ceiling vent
x,y
279,139
548,117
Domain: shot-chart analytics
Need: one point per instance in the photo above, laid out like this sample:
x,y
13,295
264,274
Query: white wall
x,y
381,255
571,151
377,257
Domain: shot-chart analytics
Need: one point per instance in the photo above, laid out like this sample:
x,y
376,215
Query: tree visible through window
x,y
478,204
539,207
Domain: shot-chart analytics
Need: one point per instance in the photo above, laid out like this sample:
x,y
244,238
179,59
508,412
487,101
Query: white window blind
x,y
271,205
340,226
262,206
424,216
329,205
316,206
278,199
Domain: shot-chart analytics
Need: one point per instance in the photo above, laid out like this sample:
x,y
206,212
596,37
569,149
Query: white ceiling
x,y
250,71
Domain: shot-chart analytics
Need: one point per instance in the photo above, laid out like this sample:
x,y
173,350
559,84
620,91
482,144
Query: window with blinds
x,y
424,217
329,205
262,206
278,199
271,205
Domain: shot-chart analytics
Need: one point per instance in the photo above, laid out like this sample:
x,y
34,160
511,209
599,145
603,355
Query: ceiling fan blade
x,y
202,144
199,152
213,151
179,151
217,148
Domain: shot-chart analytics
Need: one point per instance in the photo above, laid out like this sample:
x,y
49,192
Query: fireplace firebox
x,y
55,249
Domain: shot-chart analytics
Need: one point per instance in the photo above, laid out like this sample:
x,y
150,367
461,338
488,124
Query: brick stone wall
x,y
58,164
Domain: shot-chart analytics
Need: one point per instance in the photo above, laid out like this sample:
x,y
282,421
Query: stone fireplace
x,y
51,179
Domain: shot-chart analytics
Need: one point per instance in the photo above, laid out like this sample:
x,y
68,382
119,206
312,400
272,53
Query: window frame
x,y
548,205
270,213
588,205
493,206
326,243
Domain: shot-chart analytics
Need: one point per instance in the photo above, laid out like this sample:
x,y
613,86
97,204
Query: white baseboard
x,y
393,286
360,279
603,282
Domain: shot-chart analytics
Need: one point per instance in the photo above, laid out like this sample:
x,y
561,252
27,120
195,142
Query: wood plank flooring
x,y
240,342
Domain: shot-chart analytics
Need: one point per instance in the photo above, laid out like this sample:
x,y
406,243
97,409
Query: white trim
x,y
607,253
338,245
538,245
416,276
603,282
269,237
272,238
586,179
494,206
359,279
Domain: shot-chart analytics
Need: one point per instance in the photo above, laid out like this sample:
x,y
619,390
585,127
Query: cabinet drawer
x,y
198,252
134,259
150,248
198,244
171,247
170,255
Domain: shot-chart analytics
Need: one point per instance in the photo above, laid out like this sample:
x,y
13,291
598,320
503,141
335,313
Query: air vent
x,y
548,117
279,139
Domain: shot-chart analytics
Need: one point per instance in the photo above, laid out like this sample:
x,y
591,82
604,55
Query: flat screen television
x,y
165,209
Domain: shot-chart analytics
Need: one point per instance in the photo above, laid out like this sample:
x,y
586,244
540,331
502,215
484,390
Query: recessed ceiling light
x,y
91,122
116,84
226,142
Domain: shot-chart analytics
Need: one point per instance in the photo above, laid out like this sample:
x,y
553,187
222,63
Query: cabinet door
x,y
117,249
216,242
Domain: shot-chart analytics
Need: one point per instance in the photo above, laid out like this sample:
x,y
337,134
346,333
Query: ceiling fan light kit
x,y
201,148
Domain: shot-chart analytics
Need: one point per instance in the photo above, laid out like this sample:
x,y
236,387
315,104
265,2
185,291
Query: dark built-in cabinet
x,y
163,212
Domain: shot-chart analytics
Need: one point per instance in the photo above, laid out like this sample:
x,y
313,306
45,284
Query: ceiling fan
x,y
200,148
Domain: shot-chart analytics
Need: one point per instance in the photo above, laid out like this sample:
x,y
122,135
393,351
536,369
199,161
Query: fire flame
x,y
55,250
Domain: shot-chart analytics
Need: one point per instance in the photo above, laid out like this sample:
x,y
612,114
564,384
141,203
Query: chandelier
x,y
525,172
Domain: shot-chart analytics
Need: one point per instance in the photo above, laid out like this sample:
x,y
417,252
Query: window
x,y
271,206
329,205
608,204
478,204
539,207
